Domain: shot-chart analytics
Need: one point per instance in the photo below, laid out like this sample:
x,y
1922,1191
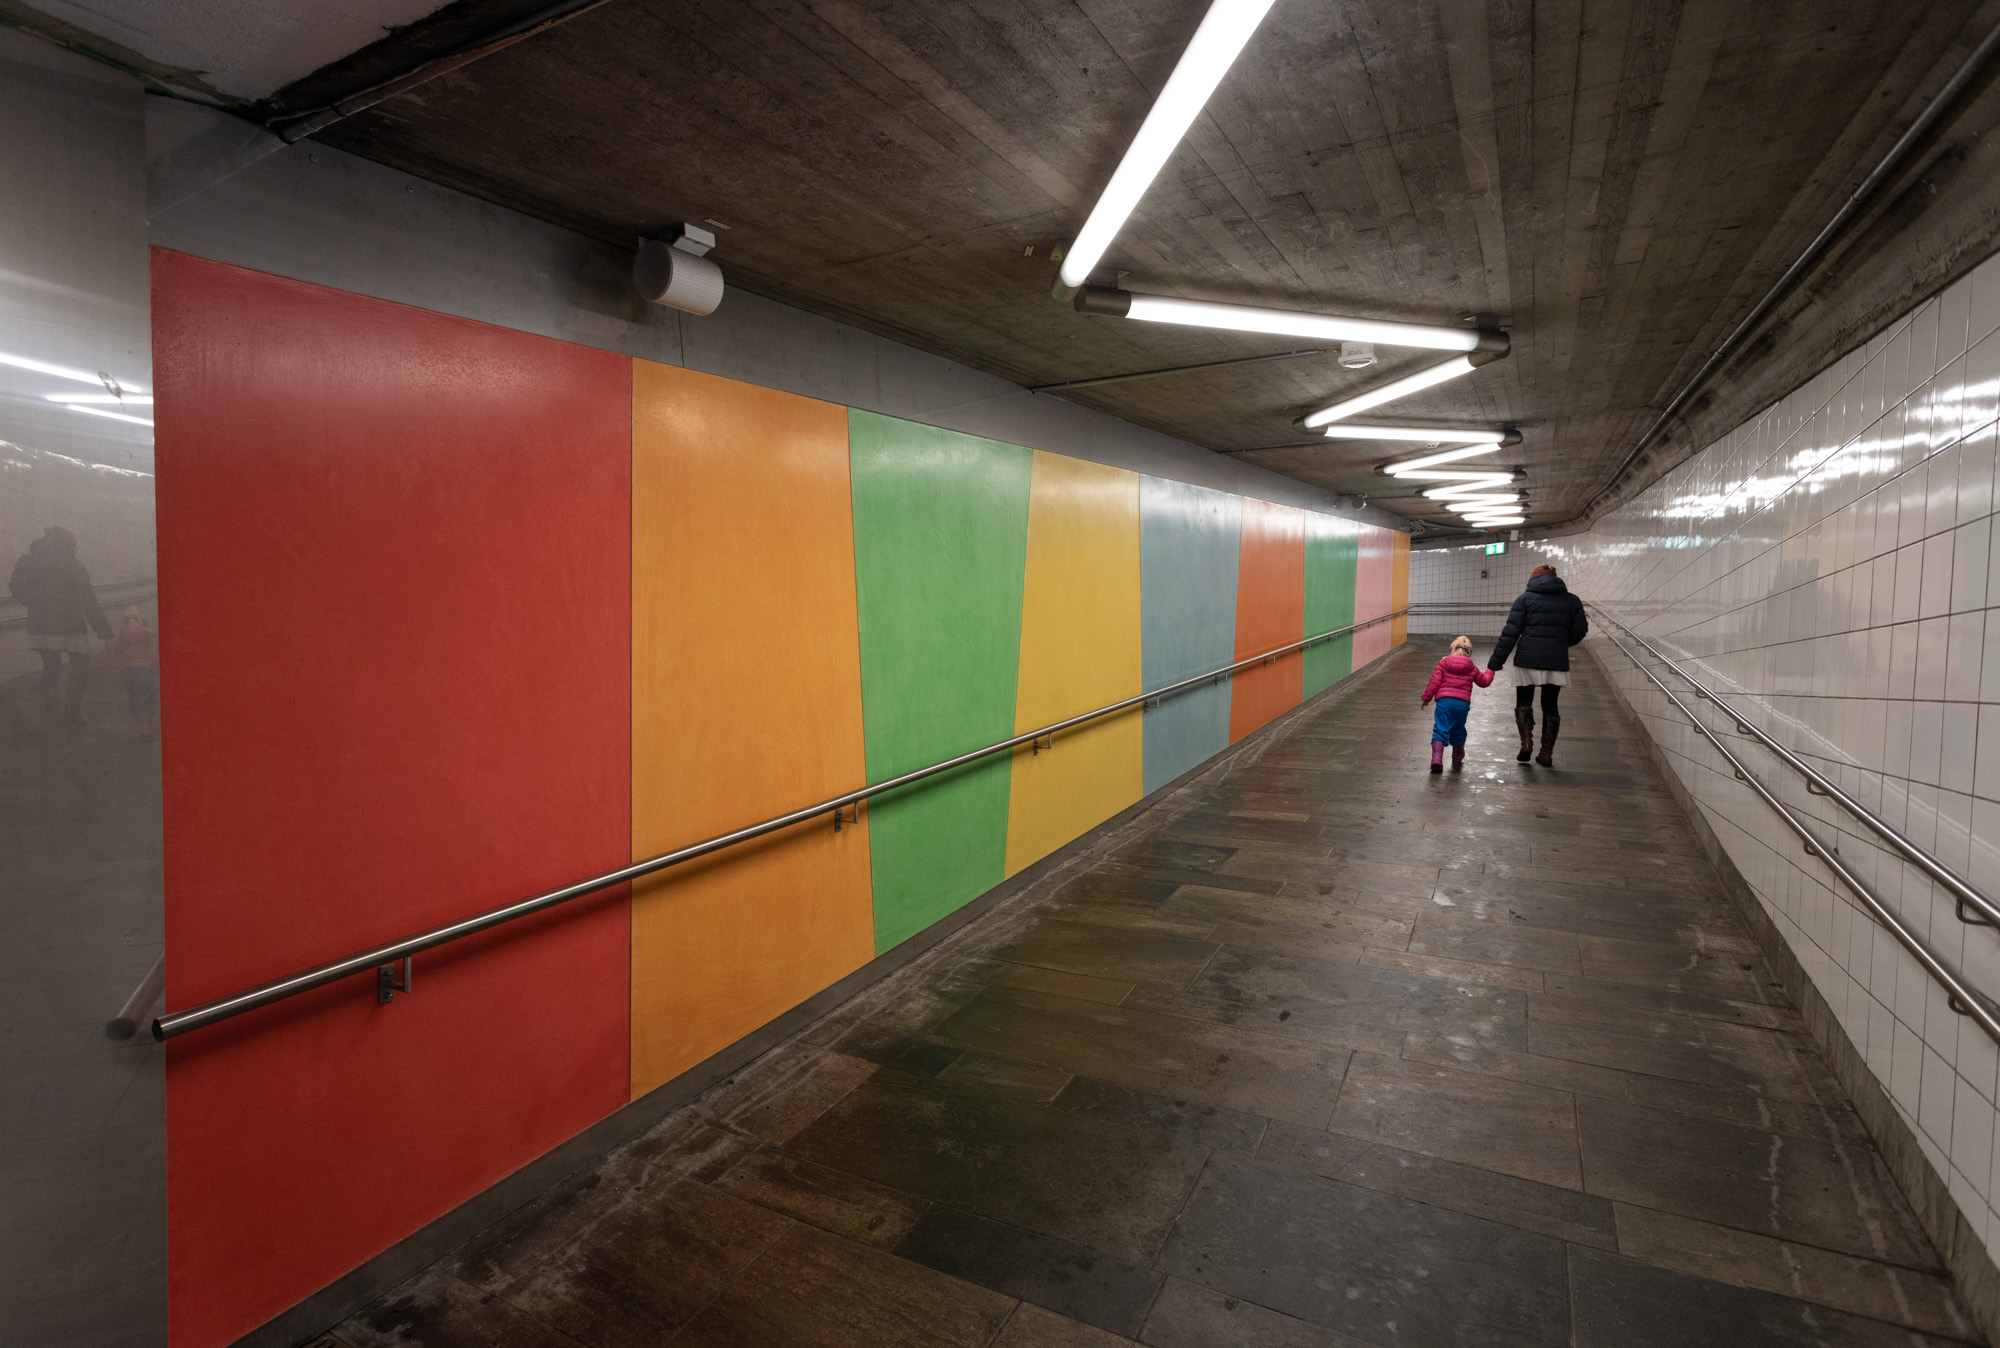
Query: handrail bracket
x,y
388,983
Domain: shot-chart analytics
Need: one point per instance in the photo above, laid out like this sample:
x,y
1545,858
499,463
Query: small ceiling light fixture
x,y
1357,355
1401,388
673,270
1216,43
1111,302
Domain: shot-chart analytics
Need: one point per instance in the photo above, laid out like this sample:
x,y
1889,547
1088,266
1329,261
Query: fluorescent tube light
x,y
1401,388
111,398
115,416
1503,523
1486,441
1213,49
1479,505
1478,487
1451,475
57,371
1432,460
1281,322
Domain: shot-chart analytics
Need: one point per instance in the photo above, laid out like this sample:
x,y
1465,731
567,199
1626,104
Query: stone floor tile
x,y
1503,1126
815,1290
786,1089
438,1311
1033,1327
1620,1303
1812,1192
1007,1076
1455,970
1726,974
1363,1263
1211,1063
1059,1276
1183,1120
829,1199
1512,943
1879,1291
1113,1186
1080,986
1121,956
1187,1316
645,1268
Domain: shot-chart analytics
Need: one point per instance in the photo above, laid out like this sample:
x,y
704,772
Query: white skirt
x,y
1529,678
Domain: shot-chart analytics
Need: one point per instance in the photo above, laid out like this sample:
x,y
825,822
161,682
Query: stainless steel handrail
x,y
223,1008
1960,996
1820,785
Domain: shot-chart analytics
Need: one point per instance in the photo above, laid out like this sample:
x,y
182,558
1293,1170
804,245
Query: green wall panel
x,y
940,548
1333,548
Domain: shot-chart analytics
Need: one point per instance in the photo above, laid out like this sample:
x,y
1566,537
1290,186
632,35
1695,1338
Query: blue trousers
x,y
1450,725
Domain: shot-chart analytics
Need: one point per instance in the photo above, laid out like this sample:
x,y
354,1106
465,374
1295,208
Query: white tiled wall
x,y
1463,589
1833,563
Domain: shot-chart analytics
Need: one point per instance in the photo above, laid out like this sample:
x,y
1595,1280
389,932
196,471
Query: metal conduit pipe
x,y
1961,890
1960,995
382,958
296,126
1960,81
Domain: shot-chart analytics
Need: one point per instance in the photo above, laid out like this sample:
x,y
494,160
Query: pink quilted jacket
x,y
1454,677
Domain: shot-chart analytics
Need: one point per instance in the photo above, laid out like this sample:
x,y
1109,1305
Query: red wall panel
x,y
1270,612
394,635
1373,587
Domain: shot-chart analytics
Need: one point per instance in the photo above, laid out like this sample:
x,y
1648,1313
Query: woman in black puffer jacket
x,y
1545,622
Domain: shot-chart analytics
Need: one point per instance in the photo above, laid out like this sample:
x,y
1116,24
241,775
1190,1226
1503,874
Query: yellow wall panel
x,y
746,702
1080,648
1399,586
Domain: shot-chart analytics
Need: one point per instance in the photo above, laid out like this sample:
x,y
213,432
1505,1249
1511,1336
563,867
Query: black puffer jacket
x,y
1545,622
52,585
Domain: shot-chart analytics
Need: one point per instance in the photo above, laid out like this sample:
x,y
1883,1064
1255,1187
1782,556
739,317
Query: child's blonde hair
x,y
1462,643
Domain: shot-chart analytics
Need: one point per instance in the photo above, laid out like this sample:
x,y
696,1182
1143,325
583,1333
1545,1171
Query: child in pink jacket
x,y
1451,684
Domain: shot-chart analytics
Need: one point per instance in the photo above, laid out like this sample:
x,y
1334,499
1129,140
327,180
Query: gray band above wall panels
x,y
317,214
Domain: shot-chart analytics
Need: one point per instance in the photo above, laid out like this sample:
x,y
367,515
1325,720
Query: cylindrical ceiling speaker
x,y
677,278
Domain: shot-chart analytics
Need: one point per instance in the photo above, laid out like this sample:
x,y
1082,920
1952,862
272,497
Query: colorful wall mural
x,y
481,613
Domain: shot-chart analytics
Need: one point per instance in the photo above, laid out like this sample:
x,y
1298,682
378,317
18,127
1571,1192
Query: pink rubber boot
x,y
1437,755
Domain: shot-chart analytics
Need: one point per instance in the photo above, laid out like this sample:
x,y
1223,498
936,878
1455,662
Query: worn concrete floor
x,y
1321,1051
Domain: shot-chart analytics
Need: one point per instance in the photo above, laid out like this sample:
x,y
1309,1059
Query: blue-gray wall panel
x,y
1189,538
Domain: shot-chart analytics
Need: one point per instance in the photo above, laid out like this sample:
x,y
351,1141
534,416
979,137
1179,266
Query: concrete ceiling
x,y
1613,181
244,49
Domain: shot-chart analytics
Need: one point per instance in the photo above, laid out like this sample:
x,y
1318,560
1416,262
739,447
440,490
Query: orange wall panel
x,y
1270,612
746,702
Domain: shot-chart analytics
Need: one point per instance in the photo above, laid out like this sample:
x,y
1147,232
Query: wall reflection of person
x,y
137,651
51,584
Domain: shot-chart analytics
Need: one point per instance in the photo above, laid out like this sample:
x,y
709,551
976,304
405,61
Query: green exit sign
x,y
1495,549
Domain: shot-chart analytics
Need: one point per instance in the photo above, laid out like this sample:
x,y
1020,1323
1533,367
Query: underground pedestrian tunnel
x,y
753,674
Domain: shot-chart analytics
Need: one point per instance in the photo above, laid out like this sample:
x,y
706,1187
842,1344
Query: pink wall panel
x,y
394,638
1373,583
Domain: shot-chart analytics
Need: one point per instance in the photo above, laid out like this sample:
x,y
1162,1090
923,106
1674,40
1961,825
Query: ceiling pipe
x,y
1857,200
292,127
1182,369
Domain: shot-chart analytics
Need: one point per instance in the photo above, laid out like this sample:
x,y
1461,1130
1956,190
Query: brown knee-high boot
x,y
1551,727
1524,721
